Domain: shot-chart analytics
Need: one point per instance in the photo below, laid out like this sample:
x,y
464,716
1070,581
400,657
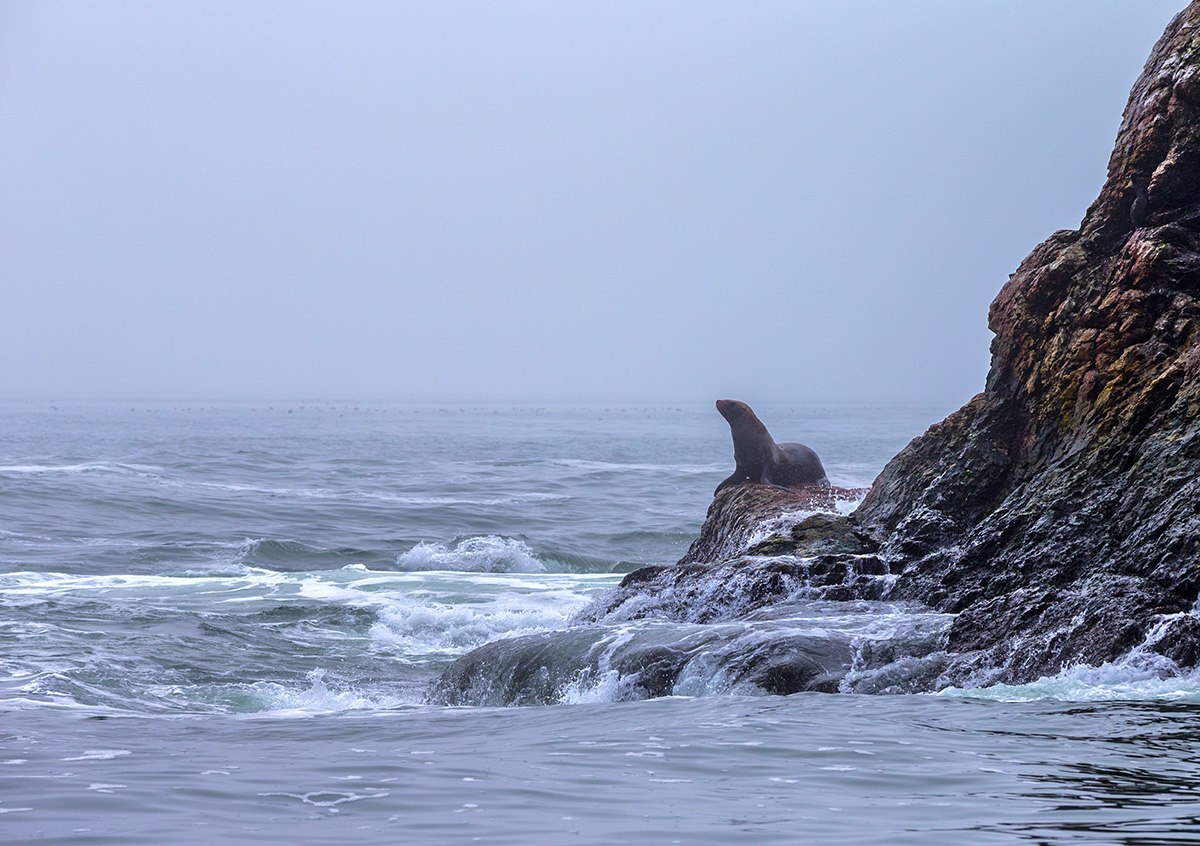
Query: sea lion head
x,y
732,410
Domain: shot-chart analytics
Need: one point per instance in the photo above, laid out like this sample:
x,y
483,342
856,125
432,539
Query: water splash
x,y
487,554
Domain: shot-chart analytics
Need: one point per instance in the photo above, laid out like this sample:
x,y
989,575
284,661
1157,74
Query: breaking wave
x,y
487,554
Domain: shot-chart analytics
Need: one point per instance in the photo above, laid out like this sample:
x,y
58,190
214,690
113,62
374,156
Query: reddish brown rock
x,y
1074,478
747,514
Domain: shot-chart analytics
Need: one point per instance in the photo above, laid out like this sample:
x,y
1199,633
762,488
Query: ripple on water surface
x,y
839,770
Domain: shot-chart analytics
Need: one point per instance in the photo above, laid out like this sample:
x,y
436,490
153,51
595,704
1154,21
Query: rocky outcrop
x,y
1061,507
648,661
1053,520
1057,514
745,519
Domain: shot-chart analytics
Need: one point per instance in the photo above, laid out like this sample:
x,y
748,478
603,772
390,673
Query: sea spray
x,y
489,554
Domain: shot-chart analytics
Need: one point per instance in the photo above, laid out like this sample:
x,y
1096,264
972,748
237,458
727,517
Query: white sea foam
x,y
74,469
318,698
420,626
1139,675
487,554
418,614
585,688
100,755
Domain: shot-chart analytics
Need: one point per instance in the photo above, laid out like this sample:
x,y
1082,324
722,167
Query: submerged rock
x,y
1053,520
642,662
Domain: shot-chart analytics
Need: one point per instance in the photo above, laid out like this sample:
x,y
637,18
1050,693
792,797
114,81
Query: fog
x,y
524,201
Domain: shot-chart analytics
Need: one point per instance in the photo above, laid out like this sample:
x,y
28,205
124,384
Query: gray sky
x,y
537,201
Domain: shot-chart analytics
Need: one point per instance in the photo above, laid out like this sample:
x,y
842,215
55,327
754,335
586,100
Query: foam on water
x,y
1140,674
317,698
489,554
437,628
1137,676
151,643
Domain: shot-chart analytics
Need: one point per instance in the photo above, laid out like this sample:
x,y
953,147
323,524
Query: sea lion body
x,y
759,459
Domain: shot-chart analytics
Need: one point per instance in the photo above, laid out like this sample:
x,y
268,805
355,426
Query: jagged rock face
x,y
730,590
1072,483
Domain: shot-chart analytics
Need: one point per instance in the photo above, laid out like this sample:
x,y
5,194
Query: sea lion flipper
x,y
765,479
732,480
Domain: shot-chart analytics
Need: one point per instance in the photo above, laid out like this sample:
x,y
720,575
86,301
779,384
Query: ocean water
x,y
220,624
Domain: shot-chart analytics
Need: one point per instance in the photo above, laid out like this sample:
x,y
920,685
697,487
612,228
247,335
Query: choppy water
x,y
220,623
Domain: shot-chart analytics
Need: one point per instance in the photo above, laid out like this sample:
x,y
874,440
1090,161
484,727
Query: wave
x,y
318,698
584,464
1140,674
448,629
377,496
238,642
487,554
290,555
117,468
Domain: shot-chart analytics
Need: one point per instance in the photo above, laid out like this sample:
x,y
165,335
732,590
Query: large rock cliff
x,y
1059,511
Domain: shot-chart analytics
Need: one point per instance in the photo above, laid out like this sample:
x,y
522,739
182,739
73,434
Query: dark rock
x,y
707,593
1058,512
742,515
641,664
1061,507
816,534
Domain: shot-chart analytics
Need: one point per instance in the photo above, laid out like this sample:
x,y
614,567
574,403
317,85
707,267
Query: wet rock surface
x,y
1056,515
743,516
643,662
1057,512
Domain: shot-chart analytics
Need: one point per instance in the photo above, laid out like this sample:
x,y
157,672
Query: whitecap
x,y
317,698
100,755
374,496
487,554
423,626
75,469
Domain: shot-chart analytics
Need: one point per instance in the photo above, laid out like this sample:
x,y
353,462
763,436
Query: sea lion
x,y
759,459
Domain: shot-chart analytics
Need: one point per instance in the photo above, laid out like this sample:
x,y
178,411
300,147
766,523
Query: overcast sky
x,y
536,201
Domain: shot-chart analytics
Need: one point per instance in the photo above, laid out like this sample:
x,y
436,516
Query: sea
x,y
220,624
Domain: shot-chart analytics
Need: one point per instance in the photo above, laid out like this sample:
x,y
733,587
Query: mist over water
x,y
222,622
538,201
